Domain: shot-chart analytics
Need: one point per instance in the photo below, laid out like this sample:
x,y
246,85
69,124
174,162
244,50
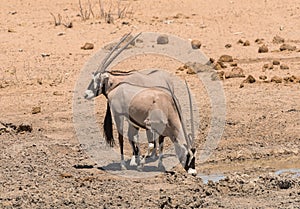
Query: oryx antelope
x,y
144,105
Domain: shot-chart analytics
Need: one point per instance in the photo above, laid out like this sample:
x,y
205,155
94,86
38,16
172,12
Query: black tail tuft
x,y
108,128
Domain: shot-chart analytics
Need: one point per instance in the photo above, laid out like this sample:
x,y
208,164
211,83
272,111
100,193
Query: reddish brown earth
x,y
41,62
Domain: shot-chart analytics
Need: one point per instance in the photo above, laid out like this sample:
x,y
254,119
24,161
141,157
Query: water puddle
x,y
211,177
294,171
219,171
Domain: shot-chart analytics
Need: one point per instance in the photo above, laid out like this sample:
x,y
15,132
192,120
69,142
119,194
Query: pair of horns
x,y
108,59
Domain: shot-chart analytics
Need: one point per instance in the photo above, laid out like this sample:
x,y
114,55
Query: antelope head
x,y
100,77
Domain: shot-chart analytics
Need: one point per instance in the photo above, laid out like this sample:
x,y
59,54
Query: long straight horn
x,y
119,51
101,68
191,114
177,105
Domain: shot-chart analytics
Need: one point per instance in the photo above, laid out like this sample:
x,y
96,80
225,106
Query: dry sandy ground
x,y
262,133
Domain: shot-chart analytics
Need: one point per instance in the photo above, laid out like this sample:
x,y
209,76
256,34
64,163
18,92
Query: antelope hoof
x,y
123,166
192,171
133,161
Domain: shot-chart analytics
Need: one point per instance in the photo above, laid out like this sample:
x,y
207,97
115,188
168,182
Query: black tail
x,y
108,128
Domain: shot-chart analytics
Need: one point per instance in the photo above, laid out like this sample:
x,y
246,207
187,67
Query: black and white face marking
x,y
94,87
190,162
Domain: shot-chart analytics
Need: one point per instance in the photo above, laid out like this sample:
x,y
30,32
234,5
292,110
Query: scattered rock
x,y
240,41
11,30
226,58
24,128
233,64
87,46
278,40
228,46
276,62
11,128
259,40
196,44
190,71
181,68
249,79
235,72
221,64
80,166
12,12
39,81
57,93
66,175
242,85
195,67
246,43
61,33
162,39
276,79
284,67
284,184
45,55
263,77
221,75
263,49
36,110
217,66
268,66
292,79
211,60
287,47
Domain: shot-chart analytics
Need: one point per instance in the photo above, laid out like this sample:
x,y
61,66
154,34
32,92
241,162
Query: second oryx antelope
x,y
145,105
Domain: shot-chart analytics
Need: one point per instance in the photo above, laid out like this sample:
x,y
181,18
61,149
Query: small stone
x,y
263,77
39,81
276,79
278,40
276,62
266,65
228,46
263,49
190,71
217,66
45,55
87,46
287,47
240,41
246,43
196,44
222,64
61,33
221,75
11,30
66,175
242,85
162,39
259,40
36,110
236,72
284,67
226,58
249,79
233,64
